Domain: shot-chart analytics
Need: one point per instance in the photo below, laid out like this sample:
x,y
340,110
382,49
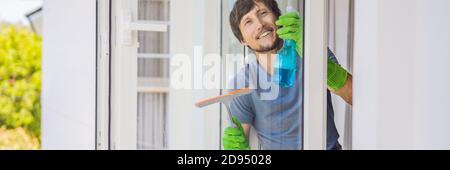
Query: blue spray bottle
x,y
285,66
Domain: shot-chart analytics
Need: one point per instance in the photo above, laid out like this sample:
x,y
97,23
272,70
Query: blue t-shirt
x,y
276,113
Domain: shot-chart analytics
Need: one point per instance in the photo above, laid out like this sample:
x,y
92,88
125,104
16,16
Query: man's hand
x,y
291,29
234,138
337,76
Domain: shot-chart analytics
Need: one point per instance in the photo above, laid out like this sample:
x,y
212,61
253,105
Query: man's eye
x,y
247,22
263,13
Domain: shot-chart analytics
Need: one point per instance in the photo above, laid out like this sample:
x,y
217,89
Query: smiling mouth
x,y
264,34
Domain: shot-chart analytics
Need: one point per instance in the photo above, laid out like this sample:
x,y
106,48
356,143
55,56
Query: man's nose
x,y
260,24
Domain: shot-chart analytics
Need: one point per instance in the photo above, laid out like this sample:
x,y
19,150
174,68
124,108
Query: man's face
x,y
259,30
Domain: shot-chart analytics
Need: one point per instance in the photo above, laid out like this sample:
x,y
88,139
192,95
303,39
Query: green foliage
x,y
20,79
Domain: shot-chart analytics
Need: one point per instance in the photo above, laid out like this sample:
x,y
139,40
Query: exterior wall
x,y
401,84
68,82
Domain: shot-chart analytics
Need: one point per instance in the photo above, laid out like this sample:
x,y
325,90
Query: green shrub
x,y
18,139
20,79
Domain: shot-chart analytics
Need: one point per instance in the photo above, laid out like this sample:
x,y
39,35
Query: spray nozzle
x,y
290,9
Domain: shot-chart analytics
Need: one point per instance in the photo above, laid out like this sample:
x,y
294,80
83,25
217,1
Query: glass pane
x,y
153,10
340,22
230,45
274,113
153,75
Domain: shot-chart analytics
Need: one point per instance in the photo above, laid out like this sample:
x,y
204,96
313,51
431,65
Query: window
x,y
148,113
230,45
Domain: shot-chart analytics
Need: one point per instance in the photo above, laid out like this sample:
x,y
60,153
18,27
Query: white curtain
x,y
152,106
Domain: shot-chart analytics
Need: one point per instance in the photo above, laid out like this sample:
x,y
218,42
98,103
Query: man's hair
x,y
242,7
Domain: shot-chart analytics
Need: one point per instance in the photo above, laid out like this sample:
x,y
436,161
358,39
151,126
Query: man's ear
x,y
244,43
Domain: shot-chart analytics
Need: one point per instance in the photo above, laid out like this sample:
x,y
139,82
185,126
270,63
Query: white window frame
x,y
103,75
315,64
123,76
125,84
120,110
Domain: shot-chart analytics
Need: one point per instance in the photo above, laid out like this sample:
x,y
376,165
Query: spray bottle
x,y
285,66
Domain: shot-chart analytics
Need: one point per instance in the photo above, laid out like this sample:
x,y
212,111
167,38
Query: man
x,y
258,24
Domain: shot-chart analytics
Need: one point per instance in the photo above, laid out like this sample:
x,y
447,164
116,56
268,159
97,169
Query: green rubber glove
x,y
234,138
291,28
337,76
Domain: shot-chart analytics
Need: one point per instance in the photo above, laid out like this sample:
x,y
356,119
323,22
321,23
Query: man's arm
x,y
339,81
246,128
346,92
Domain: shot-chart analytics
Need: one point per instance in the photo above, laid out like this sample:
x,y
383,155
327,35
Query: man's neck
x,y
267,59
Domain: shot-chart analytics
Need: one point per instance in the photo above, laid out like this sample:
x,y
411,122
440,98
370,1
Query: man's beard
x,y
276,45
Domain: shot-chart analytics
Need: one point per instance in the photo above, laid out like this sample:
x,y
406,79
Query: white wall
x,y
68,83
401,77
